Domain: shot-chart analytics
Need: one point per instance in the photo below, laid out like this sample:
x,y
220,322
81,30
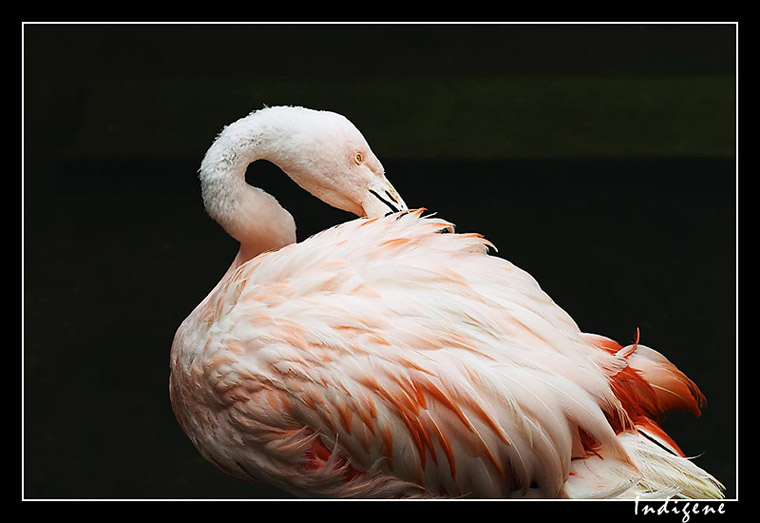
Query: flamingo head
x,y
327,155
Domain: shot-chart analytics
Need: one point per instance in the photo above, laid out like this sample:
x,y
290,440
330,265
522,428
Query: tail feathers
x,y
665,474
672,388
646,383
654,472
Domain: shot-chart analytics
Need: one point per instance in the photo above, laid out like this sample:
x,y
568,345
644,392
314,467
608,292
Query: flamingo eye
x,y
358,158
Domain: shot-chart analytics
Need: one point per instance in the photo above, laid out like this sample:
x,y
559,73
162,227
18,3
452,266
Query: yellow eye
x,y
358,158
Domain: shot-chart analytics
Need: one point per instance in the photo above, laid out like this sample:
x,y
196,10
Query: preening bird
x,y
390,356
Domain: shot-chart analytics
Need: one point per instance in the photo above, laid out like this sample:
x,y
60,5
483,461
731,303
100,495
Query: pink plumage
x,y
382,358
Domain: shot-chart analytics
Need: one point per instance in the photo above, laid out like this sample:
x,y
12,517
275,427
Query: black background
x,y
600,158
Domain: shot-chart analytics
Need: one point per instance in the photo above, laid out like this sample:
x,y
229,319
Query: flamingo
x,y
391,357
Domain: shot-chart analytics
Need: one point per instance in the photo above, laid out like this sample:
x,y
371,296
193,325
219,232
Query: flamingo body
x,y
393,357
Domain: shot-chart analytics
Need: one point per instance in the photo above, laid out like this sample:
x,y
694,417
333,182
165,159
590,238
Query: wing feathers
x,y
448,368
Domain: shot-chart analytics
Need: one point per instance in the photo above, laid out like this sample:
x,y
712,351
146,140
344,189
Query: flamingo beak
x,y
382,199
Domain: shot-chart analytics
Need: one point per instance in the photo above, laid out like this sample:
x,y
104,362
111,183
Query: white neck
x,y
247,213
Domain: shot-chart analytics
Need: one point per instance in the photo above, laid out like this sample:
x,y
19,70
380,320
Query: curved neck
x,y
248,214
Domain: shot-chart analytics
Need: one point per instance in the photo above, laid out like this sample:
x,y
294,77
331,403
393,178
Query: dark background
x,y
600,158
